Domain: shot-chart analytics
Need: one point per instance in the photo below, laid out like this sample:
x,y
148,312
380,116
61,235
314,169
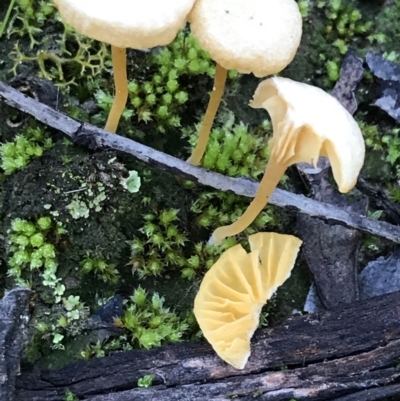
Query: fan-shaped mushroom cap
x,y
232,293
138,24
308,123
258,36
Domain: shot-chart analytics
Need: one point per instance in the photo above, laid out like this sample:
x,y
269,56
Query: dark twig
x,y
96,138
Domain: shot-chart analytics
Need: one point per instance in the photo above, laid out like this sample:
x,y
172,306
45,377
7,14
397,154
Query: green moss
x,y
29,144
145,381
387,27
236,151
163,247
32,257
99,267
330,28
147,323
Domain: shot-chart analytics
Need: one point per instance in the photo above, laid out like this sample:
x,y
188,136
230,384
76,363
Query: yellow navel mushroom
x,y
138,24
307,123
232,293
258,36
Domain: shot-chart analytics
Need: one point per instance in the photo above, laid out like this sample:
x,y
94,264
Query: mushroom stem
x,y
121,88
273,173
212,108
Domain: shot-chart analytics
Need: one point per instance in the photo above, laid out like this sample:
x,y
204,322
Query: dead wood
x,y
331,251
14,317
313,357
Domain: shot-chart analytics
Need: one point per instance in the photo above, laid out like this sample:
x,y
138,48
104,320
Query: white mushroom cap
x,y
308,123
258,36
138,24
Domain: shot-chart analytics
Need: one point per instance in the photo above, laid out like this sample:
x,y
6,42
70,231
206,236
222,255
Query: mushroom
x,y
125,23
258,36
233,292
307,123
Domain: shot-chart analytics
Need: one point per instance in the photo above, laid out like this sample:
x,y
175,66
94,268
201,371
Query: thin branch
x,y
96,138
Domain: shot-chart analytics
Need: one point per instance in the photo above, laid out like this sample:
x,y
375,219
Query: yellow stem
x,y
121,88
273,173
212,108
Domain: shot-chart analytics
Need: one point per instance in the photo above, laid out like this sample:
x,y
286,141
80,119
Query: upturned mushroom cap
x,y
232,293
258,36
308,123
138,24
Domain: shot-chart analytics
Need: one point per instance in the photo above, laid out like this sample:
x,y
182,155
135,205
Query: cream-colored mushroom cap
x,y
138,24
308,123
232,293
258,36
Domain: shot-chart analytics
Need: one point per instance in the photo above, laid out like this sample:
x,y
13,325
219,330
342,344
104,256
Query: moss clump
x,y
160,95
29,144
164,247
387,28
236,151
100,268
31,251
147,323
330,28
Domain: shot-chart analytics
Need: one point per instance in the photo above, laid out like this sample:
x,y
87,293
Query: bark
x,y
320,356
14,317
331,251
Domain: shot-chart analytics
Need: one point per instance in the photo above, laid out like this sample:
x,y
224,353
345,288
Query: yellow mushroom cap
x,y
258,36
308,123
232,293
138,24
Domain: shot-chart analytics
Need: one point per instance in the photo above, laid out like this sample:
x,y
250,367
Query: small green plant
x,y
70,396
386,142
164,244
30,144
149,322
235,151
100,268
31,251
304,7
145,381
164,247
343,26
345,21
160,97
